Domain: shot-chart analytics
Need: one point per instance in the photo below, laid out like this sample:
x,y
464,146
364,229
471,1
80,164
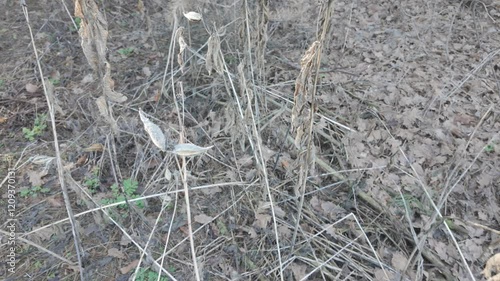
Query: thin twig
x,y
49,96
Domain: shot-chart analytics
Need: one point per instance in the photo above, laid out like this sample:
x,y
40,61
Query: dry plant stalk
x,y
182,47
249,118
304,110
94,35
93,32
182,164
214,60
50,99
108,86
260,51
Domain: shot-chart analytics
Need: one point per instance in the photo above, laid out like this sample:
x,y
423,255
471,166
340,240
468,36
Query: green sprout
x,y
34,191
129,188
126,51
54,81
38,127
148,275
78,22
489,148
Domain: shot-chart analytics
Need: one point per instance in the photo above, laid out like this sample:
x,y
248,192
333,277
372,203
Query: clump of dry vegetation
x,y
251,140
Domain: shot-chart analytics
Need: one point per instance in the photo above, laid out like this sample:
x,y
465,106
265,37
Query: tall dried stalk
x,y
304,110
260,51
48,90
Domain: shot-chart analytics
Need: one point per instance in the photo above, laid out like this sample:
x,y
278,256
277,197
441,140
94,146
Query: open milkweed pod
x,y
193,16
187,149
154,132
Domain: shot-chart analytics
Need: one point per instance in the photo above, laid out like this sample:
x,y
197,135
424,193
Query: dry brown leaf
x,y
399,261
279,212
381,275
125,241
249,230
114,252
108,85
31,88
203,219
88,78
299,270
55,201
284,231
35,177
316,203
261,220
146,71
129,267
474,250
214,60
102,106
492,265
328,207
140,7
93,32
168,175
45,233
3,119
182,46
96,147
267,153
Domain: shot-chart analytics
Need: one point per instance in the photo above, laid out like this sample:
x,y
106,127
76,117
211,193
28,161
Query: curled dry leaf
x,y
129,267
492,265
299,270
93,32
108,85
214,60
187,149
114,252
42,160
31,88
182,46
168,175
153,131
193,16
35,177
102,106
261,220
96,147
399,261
203,219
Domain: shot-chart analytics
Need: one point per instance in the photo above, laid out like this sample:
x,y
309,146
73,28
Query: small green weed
x,y
34,191
54,81
148,275
129,188
126,51
37,265
78,21
411,201
93,182
38,127
489,148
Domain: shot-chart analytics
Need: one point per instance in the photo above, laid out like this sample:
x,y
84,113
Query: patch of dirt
x,y
400,179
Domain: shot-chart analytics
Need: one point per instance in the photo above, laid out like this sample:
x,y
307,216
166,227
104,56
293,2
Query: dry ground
x,y
404,174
